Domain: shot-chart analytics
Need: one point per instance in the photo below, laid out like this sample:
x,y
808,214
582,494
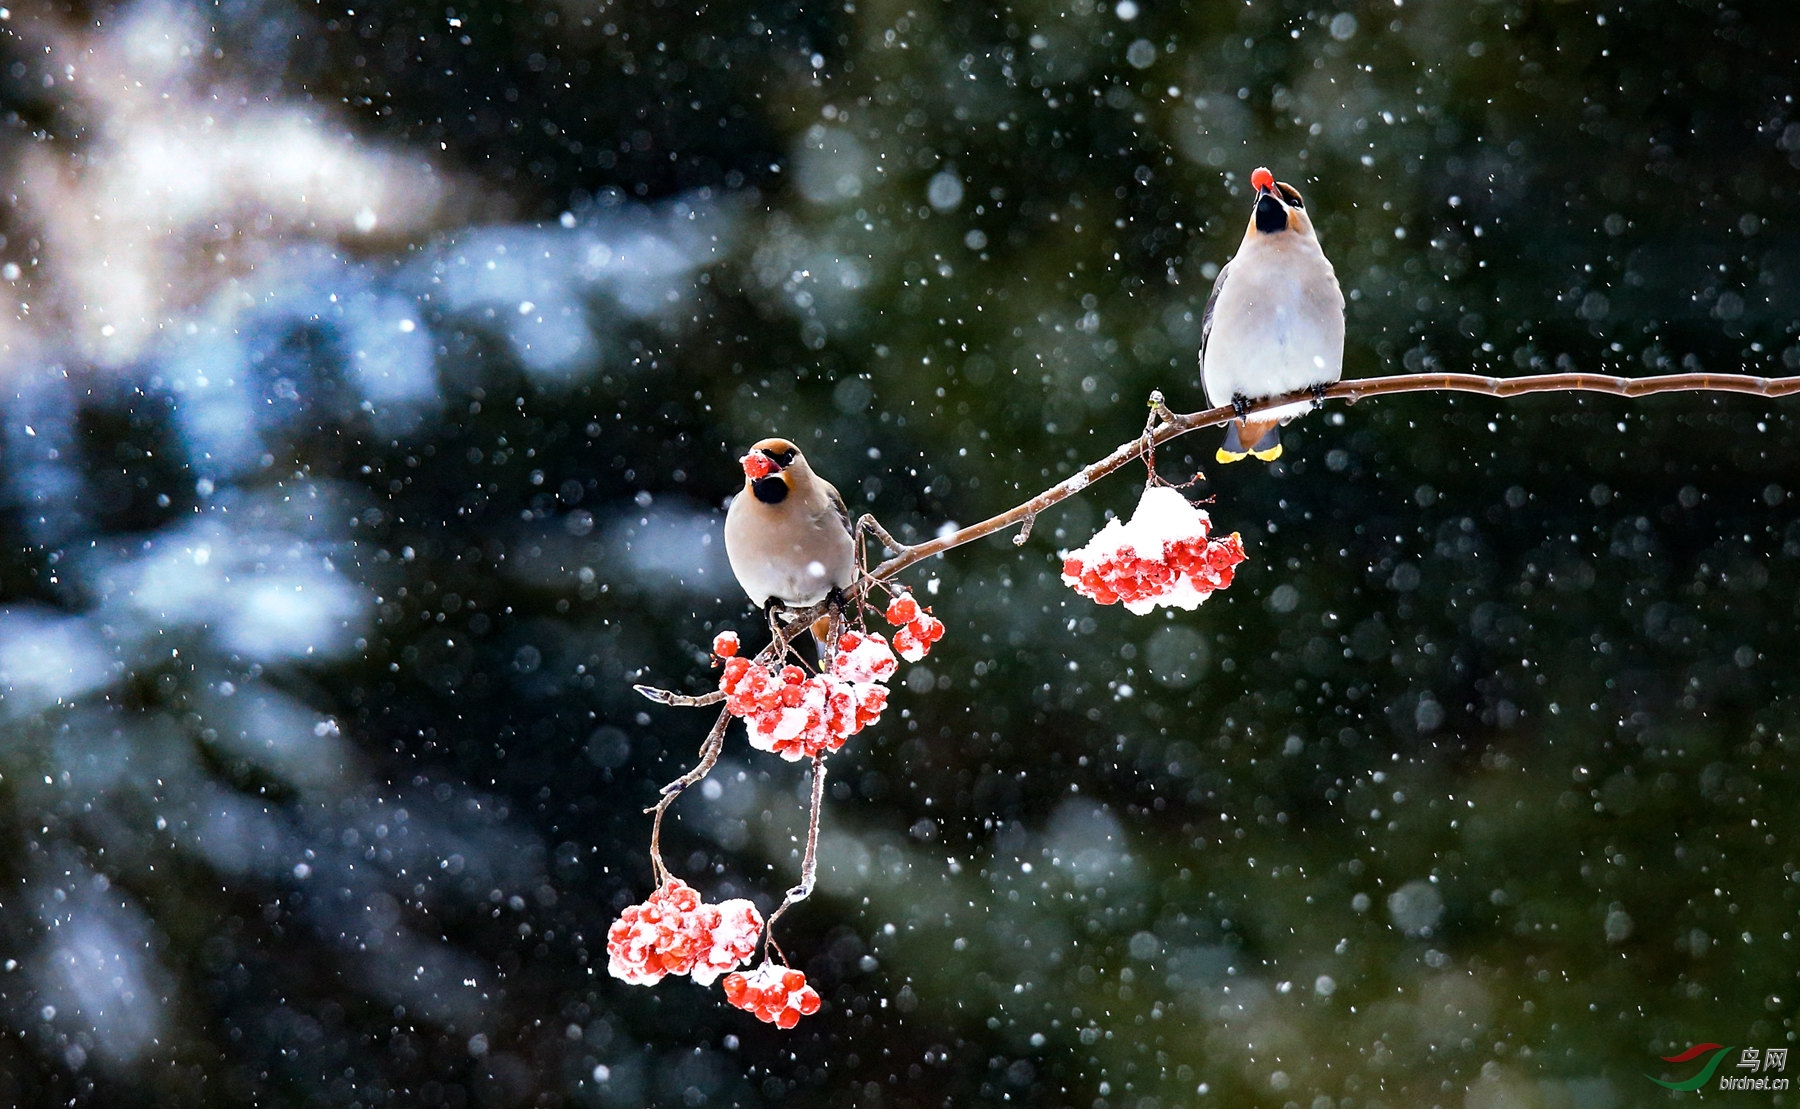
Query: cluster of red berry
x,y
775,993
864,658
796,716
675,932
1164,556
919,629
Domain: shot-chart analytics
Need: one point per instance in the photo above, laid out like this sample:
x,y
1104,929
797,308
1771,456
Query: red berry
x,y
903,609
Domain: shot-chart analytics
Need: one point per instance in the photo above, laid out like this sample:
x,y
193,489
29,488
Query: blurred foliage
x,y
1474,790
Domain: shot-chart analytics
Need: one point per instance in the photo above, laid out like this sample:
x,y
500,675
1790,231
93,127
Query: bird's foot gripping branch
x,y
1165,555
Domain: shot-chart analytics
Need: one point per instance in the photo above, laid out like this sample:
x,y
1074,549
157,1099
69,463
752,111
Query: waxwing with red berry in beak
x,y
1274,323
788,533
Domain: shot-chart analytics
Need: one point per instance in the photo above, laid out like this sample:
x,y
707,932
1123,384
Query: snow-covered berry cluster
x,y
675,932
775,993
796,716
864,658
1164,556
919,629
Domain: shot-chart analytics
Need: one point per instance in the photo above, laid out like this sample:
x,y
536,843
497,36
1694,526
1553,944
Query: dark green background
x,y
1476,789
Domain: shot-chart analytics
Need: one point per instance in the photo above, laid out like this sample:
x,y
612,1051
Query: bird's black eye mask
x,y
782,458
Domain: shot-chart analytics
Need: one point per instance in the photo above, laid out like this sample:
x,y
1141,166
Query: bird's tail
x,y
821,633
1267,441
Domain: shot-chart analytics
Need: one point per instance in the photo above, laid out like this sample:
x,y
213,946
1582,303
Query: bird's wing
x,y
843,510
1206,315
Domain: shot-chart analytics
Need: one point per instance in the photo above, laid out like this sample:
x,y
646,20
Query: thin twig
x,y
1159,414
1025,529
1158,409
776,649
870,523
682,700
709,754
1351,391
809,862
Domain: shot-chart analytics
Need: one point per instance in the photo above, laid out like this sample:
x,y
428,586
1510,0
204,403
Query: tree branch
x,y
1174,426
1161,427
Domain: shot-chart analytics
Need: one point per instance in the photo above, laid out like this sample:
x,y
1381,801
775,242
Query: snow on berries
x,y
757,465
863,658
919,629
735,926
675,932
797,716
1163,556
776,994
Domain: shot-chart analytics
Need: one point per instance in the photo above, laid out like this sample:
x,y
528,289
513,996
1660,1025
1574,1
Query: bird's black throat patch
x,y
770,490
1270,215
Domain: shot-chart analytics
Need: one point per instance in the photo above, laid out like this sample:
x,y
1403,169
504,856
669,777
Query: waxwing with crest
x,y
788,533
1274,323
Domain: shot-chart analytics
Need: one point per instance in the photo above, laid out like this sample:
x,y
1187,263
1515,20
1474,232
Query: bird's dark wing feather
x,y
1207,314
843,510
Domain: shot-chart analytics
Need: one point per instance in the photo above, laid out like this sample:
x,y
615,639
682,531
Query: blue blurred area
x,y
160,704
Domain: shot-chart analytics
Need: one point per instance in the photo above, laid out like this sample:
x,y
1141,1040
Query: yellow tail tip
x,y
1269,455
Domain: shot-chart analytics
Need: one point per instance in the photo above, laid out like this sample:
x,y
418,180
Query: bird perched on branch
x,y
1274,323
788,534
